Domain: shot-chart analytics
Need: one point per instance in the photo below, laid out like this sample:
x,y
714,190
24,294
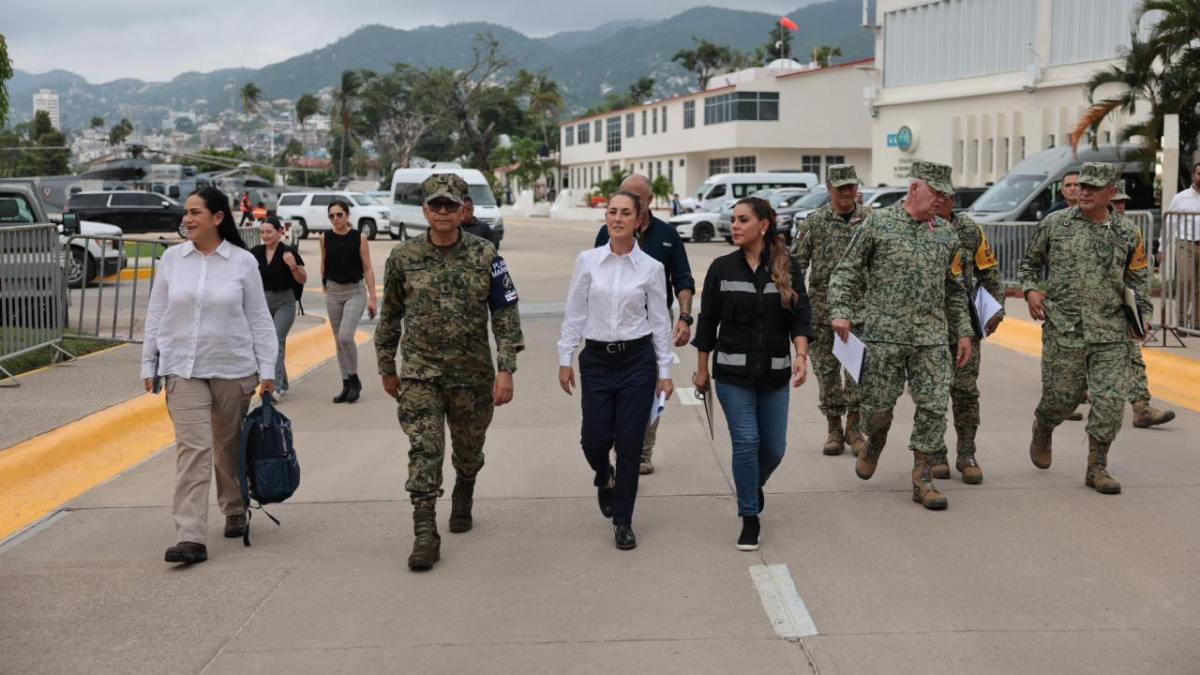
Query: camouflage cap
x,y
1120,196
444,186
841,174
936,175
1097,174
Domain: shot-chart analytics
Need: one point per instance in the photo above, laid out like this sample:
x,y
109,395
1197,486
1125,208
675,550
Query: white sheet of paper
x,y
850,354
985,307
656,408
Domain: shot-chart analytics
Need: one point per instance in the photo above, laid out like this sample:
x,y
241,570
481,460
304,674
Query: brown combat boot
x,y
460,505
965,463
1097,471
427,546
835,442
868,459
1146,415
924,493
939,465
1039,447
854,435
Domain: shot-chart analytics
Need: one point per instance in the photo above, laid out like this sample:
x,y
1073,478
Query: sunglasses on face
x,y
335,215
442,206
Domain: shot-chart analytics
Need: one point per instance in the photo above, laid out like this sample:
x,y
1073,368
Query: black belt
x,y
616,347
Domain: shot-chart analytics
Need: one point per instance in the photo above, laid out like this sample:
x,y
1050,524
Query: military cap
x,y
1120,196
1097,174
444,186
935,174
841,174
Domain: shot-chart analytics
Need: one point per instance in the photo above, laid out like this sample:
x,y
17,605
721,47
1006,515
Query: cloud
x,y
157,41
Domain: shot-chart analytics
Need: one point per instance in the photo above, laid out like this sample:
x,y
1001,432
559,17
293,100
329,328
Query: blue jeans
x,y
757,420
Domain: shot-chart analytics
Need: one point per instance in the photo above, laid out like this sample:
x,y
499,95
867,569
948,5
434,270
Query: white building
x,y
781,117
980,84
46,100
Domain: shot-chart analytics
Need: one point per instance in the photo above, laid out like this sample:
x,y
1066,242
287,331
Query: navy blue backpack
x,y
270,472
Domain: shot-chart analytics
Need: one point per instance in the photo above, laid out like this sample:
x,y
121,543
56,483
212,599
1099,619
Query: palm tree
x,y
251,98
824,54
345,100
546,105
1135,79
307,106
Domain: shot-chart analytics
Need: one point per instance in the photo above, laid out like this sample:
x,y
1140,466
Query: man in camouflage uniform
x,y
1144,414
904,268
981,273
439,290
823,238
1092,257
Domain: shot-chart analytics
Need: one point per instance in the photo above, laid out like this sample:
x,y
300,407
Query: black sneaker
x,y
626,540
604,495
187,552
748,541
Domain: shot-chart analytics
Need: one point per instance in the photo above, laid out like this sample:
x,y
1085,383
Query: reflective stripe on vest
x,y
731,359
770,287
738,286
780,363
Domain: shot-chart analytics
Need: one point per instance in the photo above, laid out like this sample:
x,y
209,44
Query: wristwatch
x,y
686,318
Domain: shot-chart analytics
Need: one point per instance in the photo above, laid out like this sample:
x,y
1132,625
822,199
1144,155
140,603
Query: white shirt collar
x,y
224,250
635,256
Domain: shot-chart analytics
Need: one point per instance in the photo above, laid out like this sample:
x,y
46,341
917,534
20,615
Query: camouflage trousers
x,y
1070,367
964,387
1139,388
838,391
926,370
426,407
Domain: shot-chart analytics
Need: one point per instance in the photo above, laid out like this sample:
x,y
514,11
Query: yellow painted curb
x,y
41,474
1171,377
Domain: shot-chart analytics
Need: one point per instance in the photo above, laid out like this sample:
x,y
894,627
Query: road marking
x,y
687,396
784,606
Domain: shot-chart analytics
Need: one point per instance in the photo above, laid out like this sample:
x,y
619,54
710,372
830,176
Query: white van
x,y
722,186
309,212
407,199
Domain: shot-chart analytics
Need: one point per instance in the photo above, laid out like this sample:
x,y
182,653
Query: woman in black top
x,y
755,312
283,275
345,263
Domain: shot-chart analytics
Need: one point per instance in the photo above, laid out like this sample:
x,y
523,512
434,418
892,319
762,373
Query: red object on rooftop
x,y
788,23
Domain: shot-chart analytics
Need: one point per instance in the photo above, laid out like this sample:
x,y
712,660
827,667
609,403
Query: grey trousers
x,y
345,304
282,305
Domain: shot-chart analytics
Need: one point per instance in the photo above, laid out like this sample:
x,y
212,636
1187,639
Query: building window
x,y
671,171
973,160
959,157
599,129
644,113
583,134
664,122
614,134
630,124
718,165
658,168
811,164
830,160
689,114
1007,153
1021,147
991,156
569,136
746,164
681,163
1050,141
745,106
654,121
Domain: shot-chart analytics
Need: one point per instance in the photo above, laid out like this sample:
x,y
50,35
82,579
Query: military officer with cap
x,y
1093,256
823,237
904,269
440,289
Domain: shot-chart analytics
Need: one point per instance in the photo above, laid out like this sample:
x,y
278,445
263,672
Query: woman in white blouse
x,y
617,306
210,334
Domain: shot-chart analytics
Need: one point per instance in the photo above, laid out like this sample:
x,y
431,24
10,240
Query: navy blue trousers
x,y
617,392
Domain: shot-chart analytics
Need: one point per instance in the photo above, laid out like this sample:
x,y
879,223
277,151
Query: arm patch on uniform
x,y
1137,259
956,265
985,256
503,292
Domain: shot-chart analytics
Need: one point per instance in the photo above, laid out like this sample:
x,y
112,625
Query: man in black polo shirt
x,y
475,226
661,242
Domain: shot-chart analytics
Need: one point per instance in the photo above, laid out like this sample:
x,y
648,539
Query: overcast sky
x,y
109,39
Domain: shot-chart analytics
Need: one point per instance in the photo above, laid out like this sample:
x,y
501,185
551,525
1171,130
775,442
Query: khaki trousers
x,y
208,418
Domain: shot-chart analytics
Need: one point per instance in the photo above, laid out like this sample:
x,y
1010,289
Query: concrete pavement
x,y
1029,572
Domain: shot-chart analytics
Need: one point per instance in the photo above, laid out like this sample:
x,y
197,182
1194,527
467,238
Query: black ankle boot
x,y
355,389
341,398
748,541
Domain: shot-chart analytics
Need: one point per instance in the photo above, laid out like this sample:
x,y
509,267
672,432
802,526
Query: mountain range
x,y
586,64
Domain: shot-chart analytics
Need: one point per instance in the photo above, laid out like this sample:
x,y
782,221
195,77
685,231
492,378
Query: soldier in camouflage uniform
x,y
904,268
981,274
823,238
1092,257
439,290
1144,414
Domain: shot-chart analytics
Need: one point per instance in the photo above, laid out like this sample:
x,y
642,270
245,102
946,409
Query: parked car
x,y
20,205
965,197
719,187
883,197
407,199
309,212
790,217
698,227
132,211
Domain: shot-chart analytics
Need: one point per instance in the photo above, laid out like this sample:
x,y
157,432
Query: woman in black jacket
x,y
755,311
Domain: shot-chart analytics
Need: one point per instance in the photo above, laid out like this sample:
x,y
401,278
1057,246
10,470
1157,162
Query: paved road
x,y
1029,572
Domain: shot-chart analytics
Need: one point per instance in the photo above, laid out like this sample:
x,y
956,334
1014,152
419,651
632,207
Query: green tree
x,y
251,98
397,110
41,124
120,131
96,123
307,106
824,54
778,44
6,74
642,90
185,125
345,101
705,59
661,188
608,187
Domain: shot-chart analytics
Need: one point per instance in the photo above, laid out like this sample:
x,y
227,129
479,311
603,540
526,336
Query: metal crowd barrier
x,y
32,292
1180,246
1009,241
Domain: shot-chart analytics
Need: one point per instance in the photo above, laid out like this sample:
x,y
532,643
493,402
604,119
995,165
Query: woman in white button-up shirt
x,y
617,306
210,334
